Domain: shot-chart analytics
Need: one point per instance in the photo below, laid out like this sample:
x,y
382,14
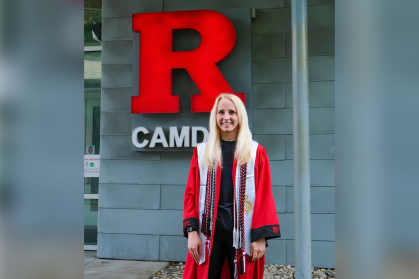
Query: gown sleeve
x,y
265,219
190,206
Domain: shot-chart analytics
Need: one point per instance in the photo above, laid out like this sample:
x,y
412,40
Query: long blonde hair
x,y
243,152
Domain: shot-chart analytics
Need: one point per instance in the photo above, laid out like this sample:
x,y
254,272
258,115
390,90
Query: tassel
x,y
244,262
209,248
205,254
205,257
209,225
204,223
235,269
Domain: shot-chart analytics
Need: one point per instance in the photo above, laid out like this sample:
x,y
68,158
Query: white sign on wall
x,y
91,165
186,137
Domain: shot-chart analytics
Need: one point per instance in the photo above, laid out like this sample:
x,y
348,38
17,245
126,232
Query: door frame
x,y
93,90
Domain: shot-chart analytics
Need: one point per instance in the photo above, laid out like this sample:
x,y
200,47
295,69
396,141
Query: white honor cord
x,y
239,234
238,216
236,219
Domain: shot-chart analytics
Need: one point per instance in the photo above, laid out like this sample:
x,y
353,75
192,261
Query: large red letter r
x,y
157,59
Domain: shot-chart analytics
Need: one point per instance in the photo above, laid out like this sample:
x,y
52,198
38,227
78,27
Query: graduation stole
x,y
238,212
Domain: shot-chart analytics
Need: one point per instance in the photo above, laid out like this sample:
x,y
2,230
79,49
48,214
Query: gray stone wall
x,y
141,193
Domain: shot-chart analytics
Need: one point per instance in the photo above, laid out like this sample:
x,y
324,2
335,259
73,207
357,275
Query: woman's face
x,y
227,119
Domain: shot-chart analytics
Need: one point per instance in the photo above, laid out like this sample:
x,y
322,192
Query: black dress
x,y
223,237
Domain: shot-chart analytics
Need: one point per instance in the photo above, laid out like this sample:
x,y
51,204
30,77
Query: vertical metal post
x,y
301,140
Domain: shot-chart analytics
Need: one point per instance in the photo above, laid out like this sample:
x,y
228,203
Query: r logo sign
x,y
181,62
157,59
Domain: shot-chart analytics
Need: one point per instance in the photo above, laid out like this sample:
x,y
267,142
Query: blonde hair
x,y
212,153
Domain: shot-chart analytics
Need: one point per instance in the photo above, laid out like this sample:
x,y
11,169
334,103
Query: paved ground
x,y
95,268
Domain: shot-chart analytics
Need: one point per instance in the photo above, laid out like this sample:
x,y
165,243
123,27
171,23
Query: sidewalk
x,y
95,268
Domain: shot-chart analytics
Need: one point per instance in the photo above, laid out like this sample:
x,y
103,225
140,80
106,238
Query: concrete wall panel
x,y
123,8
119,147
116,99
322,146
271,70
144,172
115,123
321,94
286,223
322,172
274,145
117,52
322,42
178,155
322,199
321,120
321,68
272,121
173,248
282,172
117,28
129,196
179,5
114,75
322,226
276,252
321,17
322,253
312,2
280,196
272,21
269,95
279,20
268,45
133,221
128,246
172,197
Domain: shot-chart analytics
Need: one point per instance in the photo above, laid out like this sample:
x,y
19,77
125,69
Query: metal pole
x,y
301,140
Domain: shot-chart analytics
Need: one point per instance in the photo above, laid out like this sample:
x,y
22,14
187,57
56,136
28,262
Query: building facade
x,y
141,192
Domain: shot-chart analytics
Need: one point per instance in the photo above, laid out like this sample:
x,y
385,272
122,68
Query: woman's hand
x,y
194,245
257,249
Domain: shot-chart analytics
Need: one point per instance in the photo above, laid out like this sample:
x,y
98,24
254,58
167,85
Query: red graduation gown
x,y
264,221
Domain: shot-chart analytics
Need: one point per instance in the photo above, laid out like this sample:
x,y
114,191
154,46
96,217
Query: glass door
x,y
91,182
92,78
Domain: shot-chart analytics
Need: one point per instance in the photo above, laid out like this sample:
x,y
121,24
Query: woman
x,y
229,211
